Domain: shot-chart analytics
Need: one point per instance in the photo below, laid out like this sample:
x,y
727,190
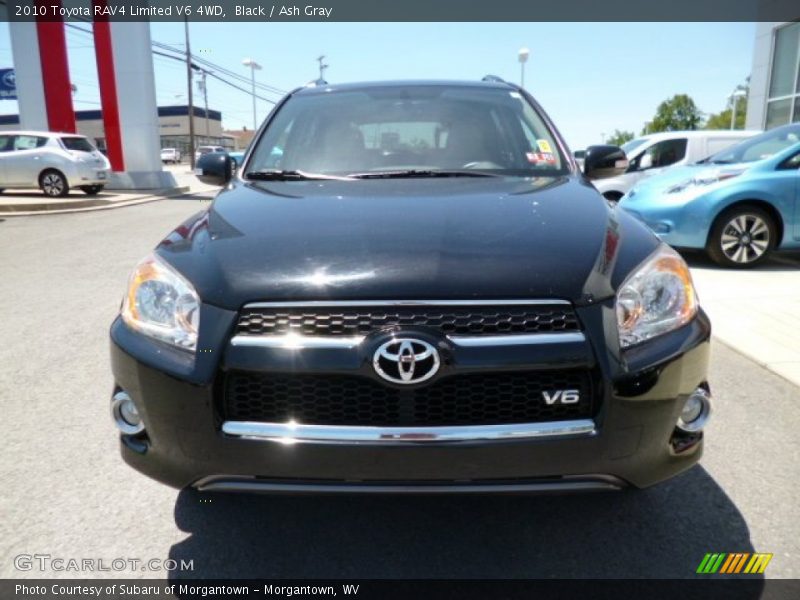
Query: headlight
x,y
658,297
162,304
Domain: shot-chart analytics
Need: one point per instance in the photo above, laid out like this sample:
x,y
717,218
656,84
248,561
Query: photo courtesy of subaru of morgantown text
x,y
355,312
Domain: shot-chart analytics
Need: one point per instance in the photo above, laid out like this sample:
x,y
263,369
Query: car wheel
x,y
53,184
612,196
92,190
742,237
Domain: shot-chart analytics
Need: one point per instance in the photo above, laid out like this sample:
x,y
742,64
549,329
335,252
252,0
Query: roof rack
x,y
493,78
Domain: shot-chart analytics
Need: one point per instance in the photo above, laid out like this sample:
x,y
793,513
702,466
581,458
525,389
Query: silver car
x,y
52,162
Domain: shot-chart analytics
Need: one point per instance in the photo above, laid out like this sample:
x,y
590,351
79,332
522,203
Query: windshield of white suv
x,y
423,130
759,147
79,144
631,145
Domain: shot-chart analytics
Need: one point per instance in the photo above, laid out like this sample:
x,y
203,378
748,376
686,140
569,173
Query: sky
x,y
591,78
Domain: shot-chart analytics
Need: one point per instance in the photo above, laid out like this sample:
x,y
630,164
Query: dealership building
x,y
173,126
775,79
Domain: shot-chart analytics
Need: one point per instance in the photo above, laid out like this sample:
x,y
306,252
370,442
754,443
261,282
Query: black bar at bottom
x,y
711,588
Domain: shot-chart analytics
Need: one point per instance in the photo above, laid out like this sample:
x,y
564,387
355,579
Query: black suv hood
x,y
404,239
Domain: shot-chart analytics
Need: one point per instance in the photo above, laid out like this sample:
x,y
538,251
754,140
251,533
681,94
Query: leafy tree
x,y
619,137
676,114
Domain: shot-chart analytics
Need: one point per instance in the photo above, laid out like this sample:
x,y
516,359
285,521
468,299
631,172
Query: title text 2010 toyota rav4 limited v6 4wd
x,y
410,287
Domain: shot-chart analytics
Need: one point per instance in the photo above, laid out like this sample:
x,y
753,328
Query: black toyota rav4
x,y
410,287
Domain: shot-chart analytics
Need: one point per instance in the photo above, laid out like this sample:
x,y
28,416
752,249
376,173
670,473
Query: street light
x,y
254,66
524,53
739,92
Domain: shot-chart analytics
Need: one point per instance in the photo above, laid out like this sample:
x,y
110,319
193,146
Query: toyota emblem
x,y
406,361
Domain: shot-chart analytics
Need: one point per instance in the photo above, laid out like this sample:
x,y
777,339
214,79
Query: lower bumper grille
x,y
467,399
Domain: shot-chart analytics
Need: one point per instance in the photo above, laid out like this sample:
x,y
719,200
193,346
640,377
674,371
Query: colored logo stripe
x,y
758,563
734,562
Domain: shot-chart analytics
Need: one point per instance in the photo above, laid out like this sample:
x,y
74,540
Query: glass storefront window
x,y
784,61
778,112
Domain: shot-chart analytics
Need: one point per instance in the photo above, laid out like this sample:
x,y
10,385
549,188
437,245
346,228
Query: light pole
x,y
254,66
523,55
322,67
201,84
734,98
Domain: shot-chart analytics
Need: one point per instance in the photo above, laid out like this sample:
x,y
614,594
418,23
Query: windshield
x,y
77,143
408,129
758,147
630,146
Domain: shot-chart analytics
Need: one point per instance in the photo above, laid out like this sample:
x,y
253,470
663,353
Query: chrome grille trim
x,y
290,433
300,342
296,342
344,303
518,339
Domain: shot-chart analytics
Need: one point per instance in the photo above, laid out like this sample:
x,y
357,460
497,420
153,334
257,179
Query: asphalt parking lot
x,y
67,493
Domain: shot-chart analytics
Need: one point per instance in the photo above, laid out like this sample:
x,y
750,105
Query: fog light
x,y
696,411
125,415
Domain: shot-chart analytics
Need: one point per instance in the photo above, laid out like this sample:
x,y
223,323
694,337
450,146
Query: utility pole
x,y
191,97
322,67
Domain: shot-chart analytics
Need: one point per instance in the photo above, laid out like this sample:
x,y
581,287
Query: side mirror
x,y
214,168
604,161
646,162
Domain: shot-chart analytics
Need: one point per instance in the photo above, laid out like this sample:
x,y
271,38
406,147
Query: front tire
x,y
92,190
742,237
53,184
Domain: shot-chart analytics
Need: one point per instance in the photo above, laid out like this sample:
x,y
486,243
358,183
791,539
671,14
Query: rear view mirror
x,y
214,168
604,161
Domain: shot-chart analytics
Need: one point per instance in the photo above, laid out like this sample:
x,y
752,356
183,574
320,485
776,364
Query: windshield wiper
x,y
409,173
281,175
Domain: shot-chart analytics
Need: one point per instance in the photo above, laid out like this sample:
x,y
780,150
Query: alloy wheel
x,y
745,238
53,184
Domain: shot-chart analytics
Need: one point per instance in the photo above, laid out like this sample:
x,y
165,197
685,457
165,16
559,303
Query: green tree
x,y
676,114
619,137
722,120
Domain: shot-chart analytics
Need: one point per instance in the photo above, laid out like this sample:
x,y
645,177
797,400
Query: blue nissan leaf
x,y
738,205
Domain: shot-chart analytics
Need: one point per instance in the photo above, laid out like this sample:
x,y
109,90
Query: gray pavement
x,y
66,493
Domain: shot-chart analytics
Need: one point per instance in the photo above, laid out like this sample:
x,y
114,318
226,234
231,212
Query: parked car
x,y
738,205
170,155
419,293
236,156
51,162
201,150
649,155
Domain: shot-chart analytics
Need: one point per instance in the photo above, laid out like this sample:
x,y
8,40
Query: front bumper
x,y
630,440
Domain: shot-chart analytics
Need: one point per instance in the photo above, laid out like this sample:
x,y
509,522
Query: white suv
x,y
651,154
52,162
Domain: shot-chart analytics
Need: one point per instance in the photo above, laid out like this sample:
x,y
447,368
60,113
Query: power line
x,y
181,56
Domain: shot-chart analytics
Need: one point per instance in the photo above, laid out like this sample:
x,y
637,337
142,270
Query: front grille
x,y
467,399
450,320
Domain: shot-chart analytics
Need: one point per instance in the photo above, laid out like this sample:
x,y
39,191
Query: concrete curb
x,y
753,358
89,204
